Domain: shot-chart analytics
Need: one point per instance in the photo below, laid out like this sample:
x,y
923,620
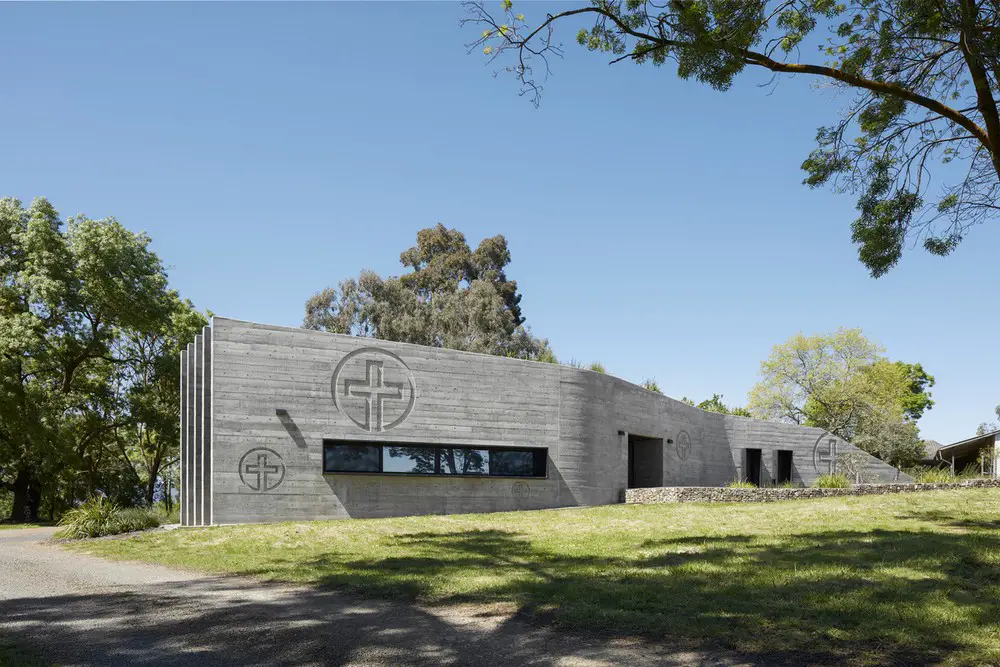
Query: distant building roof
x,y
962,448
932,447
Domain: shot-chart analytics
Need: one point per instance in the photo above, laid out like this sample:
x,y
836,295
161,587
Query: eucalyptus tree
x,y
918,140
452,297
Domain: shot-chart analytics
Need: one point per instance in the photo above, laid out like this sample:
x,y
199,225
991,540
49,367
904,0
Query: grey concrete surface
x,y
72,609
275,393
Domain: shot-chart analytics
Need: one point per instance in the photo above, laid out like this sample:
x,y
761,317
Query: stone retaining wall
x,y
712,494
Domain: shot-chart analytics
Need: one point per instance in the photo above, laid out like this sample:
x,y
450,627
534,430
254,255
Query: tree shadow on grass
x,y
943,518
881,597
243,622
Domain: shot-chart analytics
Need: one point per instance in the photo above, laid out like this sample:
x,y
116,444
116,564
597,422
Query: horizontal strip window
x,y
409,459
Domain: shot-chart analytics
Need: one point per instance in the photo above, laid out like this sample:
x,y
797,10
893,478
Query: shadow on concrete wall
x,y
385,495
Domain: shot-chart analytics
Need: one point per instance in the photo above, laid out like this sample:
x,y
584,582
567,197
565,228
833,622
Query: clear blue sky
x,y
271,150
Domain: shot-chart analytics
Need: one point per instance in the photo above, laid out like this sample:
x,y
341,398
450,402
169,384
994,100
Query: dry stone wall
x,y
711,494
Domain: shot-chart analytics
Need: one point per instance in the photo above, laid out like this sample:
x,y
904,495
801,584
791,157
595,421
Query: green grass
x,y
896,579
12,526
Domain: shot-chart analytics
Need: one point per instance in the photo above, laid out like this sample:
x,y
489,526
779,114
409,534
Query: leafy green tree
x,y
841,382
715,404
920,77
989,427
150,386
71,297
452,297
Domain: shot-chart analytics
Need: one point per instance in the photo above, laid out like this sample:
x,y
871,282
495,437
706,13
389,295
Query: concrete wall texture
x,y
257,401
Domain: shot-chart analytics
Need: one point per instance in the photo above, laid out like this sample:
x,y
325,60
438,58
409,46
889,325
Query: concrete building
x,y
282,424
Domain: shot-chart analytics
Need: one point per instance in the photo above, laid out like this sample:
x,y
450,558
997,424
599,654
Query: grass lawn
x,y
900,579
12,526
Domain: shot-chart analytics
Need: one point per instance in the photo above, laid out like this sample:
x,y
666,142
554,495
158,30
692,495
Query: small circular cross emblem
x,y
374,388
262,469
683,445
519,490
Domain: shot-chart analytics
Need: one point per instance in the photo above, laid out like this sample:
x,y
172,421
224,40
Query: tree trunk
x,y
150,490
27,497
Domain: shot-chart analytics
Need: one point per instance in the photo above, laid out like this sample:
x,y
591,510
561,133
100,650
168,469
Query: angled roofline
x,y
967,441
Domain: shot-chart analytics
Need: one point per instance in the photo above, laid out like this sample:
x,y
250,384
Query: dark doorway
x,y
753,466
784,466
645,462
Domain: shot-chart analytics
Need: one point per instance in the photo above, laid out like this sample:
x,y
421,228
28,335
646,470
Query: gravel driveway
x,y
72,609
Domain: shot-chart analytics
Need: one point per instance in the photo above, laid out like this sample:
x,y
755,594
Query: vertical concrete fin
x,y
183,441
206,425
198,409
189,436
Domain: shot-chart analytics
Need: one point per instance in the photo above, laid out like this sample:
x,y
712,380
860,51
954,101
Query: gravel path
x,y
73,609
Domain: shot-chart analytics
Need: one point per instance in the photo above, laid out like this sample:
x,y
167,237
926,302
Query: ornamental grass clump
x,y
837,481
935,476
99,516
741,484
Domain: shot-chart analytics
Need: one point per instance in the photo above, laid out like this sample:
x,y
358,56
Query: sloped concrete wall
x,y
271,402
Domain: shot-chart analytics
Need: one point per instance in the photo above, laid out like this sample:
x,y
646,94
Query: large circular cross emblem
x,y
374,388
825,454
262,469
683,445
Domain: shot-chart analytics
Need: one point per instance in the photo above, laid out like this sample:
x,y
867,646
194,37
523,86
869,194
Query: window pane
x,y
408,459
350,458
455,461
518,462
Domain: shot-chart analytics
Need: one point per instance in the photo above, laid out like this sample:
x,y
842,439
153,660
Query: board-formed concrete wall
x,y
265,399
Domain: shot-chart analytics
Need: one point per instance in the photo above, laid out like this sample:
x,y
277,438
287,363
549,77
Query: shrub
x,y
100,516
741,484
934,476
837,481
598,367
651,385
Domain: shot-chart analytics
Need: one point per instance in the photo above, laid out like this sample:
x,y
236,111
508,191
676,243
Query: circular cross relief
x,y
683,445
374,388
519,490
825,454
262,469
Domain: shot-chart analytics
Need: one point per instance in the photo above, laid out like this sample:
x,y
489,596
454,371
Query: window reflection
x,y
512,462
408,459
350,458
398,458
455,461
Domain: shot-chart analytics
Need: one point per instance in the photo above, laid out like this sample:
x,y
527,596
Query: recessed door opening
x,y
645,462
752,470
784,466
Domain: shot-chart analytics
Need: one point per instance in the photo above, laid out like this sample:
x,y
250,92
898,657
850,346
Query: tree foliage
x,y
452,297
989,427
842,383
715,404
88,370
920,76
